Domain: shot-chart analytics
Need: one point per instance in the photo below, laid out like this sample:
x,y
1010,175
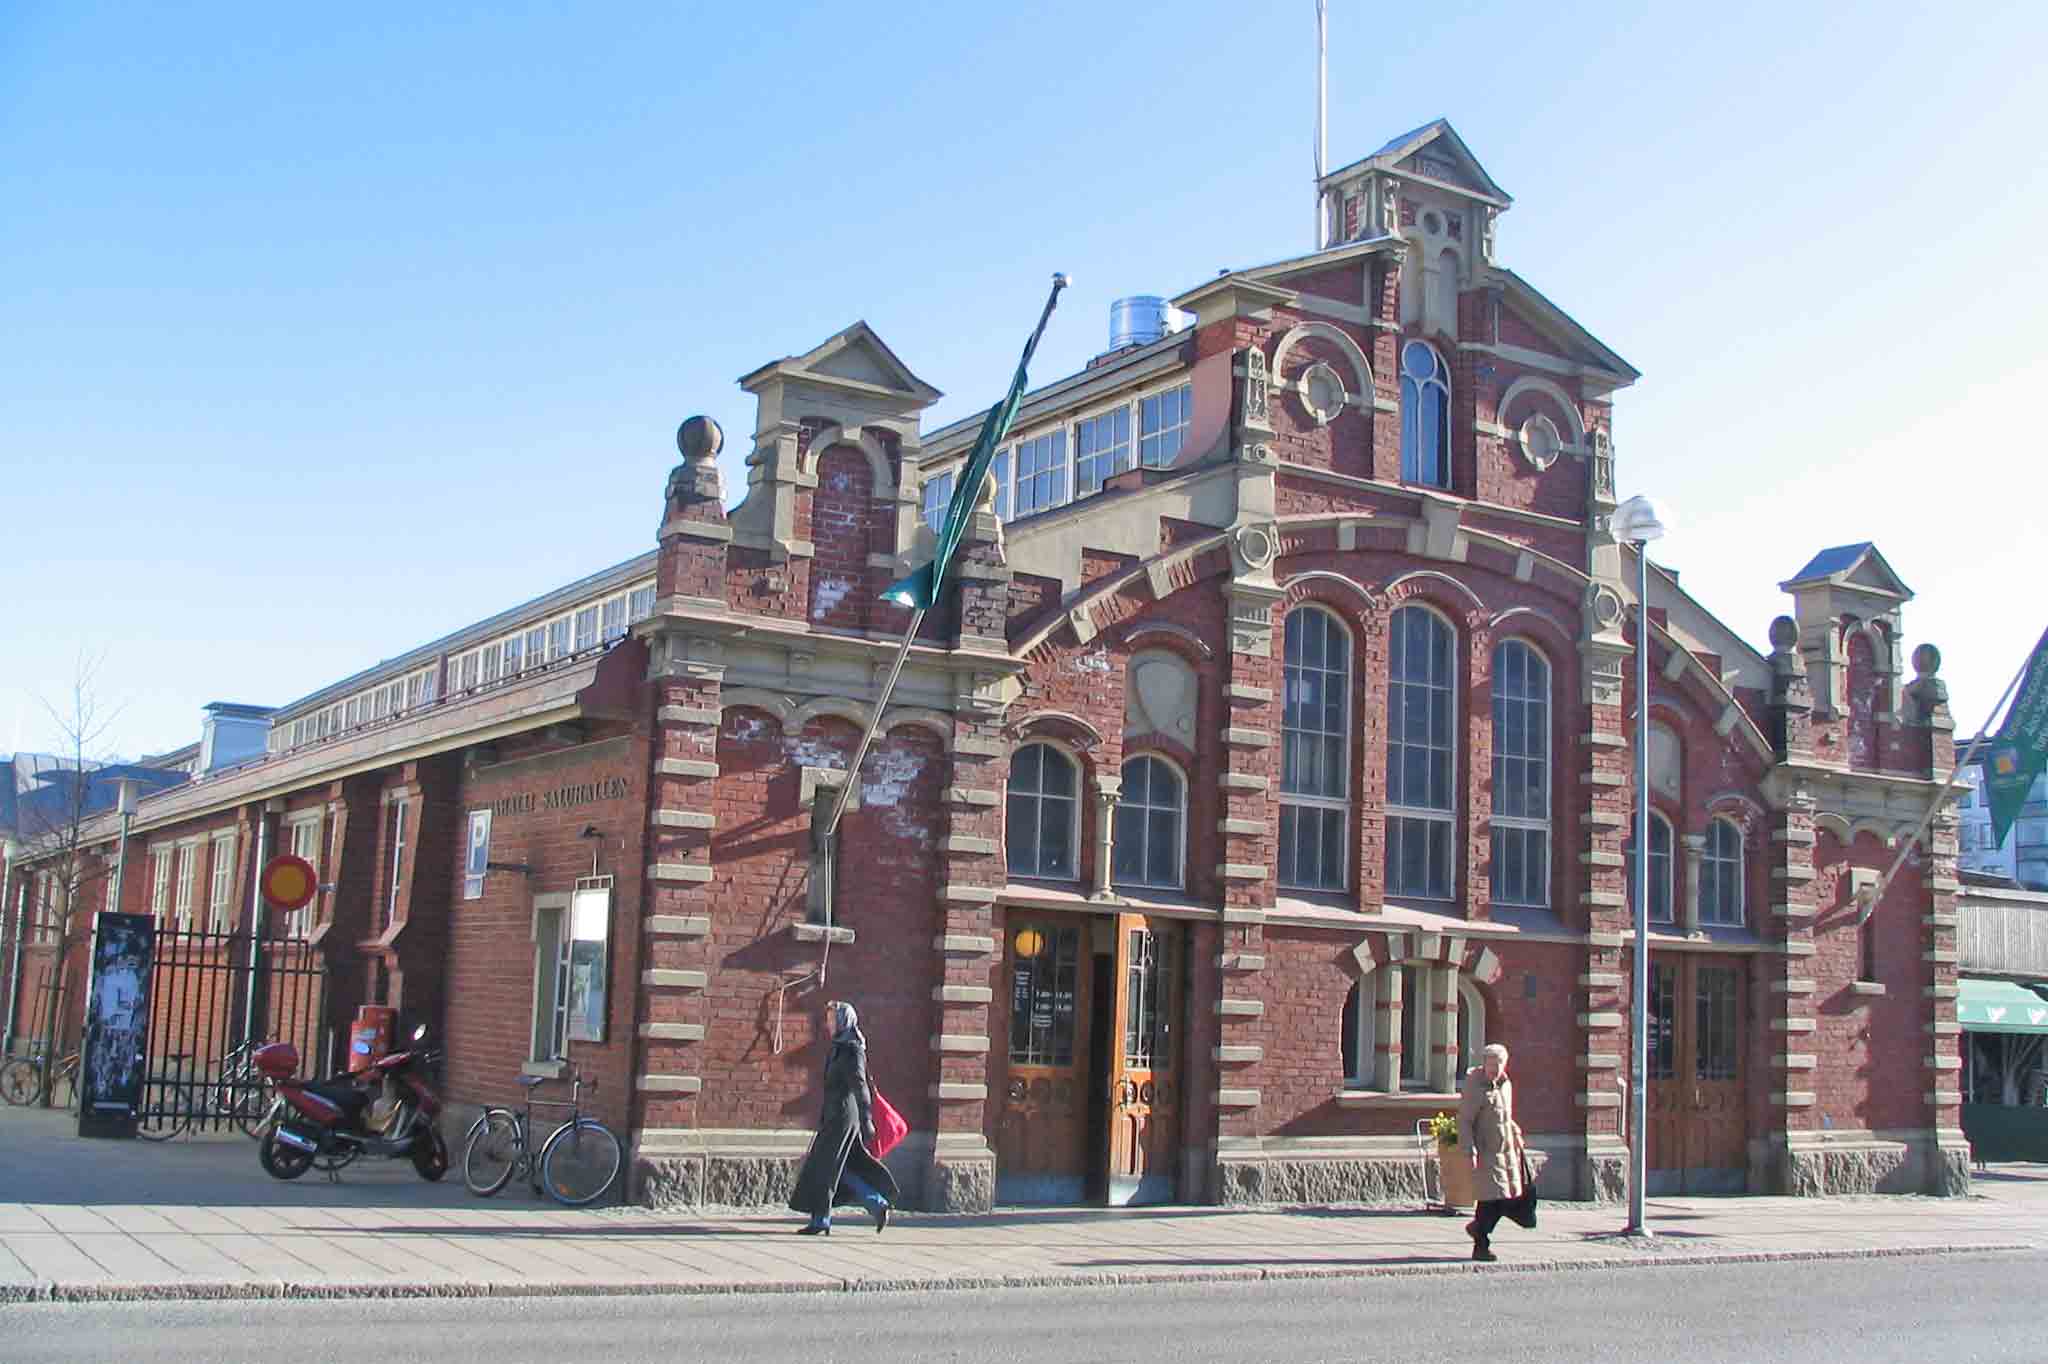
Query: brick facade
x,y
1151,621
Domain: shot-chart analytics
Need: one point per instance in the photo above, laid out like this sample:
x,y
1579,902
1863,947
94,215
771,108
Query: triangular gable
x,y
1857,566
1572,340
853,356
1433,152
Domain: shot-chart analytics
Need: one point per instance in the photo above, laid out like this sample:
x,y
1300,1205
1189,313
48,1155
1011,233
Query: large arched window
x,y
1315,751
1521,775
1044,813
1425,416
1428,990
1660,870
1721,874
1149,824
1422,726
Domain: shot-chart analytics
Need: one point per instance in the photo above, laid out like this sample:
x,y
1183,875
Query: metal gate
x,y
213,999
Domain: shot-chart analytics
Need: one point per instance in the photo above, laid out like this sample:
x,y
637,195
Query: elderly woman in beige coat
x,y
1491,1140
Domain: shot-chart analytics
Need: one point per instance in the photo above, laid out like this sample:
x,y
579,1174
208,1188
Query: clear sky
x,y
324,332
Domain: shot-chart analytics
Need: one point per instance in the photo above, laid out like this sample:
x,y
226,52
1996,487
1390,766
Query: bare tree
x,y
58,867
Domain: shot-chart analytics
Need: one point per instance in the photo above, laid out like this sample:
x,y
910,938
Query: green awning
x,y
2000,1006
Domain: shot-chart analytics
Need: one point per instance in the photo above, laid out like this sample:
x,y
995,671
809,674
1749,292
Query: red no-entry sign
x,y
288,882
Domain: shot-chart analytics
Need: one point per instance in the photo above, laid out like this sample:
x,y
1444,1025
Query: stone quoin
x,y
1273,753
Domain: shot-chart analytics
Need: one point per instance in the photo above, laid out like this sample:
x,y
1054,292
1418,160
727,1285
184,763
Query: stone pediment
x,y
854,360
1436,153
1858,567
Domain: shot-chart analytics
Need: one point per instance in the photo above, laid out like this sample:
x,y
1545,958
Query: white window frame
x,y
160,860
552,942
640,603
1404,815
1722,901
399,809
1142,811
1527,828
301,835
221,882
561,638
1670,914
1110,455
1338,634
612,619
585,618
536,638
1043,798
1049,451
487,665
1413,391
937,496
1160,447
187,850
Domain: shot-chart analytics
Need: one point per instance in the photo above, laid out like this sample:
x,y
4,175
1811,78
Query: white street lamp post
x,y
1638,522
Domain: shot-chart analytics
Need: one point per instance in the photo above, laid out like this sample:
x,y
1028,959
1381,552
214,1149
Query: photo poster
x,y
111,1074
590,920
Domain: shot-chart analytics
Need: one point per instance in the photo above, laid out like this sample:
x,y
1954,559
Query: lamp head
x,y
1639,520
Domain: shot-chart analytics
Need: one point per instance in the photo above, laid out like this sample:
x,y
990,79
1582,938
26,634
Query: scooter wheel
x,y
280,1160
430,1155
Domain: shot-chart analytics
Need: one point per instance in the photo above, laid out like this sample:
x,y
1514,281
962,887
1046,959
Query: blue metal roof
x,y
1829,562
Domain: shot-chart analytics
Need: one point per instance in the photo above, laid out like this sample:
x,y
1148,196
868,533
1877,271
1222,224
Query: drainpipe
x,y
12,851
256,920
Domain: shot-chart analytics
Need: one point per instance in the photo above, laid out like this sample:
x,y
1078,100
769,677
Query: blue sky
x,y
328,332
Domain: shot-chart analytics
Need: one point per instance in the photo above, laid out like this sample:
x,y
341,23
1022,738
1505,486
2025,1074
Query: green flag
x,y
2019,750
921,589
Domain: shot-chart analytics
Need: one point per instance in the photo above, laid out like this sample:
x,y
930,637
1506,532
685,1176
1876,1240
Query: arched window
x,y
1149,824
1421,739
1521,775
1425,417
1424,986
1315,751
1721,874
1355,1037
1660,870
1471,1029
1044,813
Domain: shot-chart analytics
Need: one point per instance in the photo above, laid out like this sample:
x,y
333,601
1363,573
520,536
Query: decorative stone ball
x,y
1926,661
1784,633
700,440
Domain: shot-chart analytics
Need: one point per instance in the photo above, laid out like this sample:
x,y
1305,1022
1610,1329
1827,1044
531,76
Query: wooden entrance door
x,y
1697,1126
1144,1096
1042,1131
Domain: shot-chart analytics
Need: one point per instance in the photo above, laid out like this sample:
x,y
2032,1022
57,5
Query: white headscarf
x,y
844,1019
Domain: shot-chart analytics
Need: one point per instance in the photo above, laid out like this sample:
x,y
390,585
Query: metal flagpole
x,y
1876,893
1638,1024
1322,117
867,735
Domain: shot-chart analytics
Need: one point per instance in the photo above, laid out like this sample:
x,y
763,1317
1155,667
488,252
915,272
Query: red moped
x,y
327,1120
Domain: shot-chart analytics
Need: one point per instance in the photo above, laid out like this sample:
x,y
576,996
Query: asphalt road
x,y
1953,1309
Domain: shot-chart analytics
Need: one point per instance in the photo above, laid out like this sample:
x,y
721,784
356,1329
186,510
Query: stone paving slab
x,y
244,1236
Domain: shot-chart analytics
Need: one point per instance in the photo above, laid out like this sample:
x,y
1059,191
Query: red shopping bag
x,y
889,1125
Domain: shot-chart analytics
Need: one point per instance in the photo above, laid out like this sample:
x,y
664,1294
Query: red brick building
x,y
1274,754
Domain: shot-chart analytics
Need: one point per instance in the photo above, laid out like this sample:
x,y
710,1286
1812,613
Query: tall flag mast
x,y
1322,134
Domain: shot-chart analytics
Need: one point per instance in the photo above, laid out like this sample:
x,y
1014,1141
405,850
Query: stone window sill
x,y
1379,1098
547,1070
833,933
1866,987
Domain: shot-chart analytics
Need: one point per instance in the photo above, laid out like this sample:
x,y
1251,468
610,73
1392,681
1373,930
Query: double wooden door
x,y
1697,1109
1090,1110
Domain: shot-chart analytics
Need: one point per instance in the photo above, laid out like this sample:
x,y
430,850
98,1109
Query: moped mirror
x,y
419,1032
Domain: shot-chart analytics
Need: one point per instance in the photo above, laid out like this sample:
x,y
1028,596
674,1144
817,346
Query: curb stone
x,y
48,1291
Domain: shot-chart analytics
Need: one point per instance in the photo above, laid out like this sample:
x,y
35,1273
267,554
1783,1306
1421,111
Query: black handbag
x,y
1522,1210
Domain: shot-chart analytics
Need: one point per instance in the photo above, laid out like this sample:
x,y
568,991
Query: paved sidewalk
x,y
383,1233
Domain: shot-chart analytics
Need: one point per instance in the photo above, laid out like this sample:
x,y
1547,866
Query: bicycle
x,y
575,1166
172,1113
241,1092
21,1081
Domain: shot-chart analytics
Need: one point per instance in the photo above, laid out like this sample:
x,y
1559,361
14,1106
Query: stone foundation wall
x,y
1872,1163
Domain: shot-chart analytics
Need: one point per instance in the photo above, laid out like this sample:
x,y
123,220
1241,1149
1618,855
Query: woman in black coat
x,y
838,1169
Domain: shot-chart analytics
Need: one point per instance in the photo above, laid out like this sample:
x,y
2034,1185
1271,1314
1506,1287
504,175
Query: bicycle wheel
x,y
20,1081
64,1087
492,1153
247,1102
579,1162
171,1114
